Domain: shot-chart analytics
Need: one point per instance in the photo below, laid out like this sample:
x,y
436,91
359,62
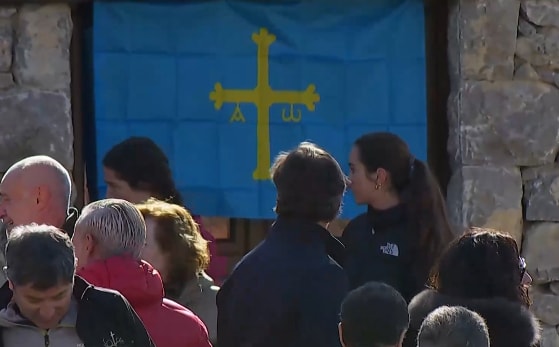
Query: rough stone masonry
x,y
503,114
35,110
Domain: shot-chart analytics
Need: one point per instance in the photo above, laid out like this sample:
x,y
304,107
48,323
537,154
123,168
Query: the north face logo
x,y
390,249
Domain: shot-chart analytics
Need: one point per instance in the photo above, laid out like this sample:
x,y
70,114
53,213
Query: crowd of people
x,y
138,268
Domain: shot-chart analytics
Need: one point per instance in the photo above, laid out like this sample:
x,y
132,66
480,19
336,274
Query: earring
x,y
377,186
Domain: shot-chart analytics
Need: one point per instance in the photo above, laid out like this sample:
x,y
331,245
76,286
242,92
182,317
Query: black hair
x,y
144,166
374,314
39,255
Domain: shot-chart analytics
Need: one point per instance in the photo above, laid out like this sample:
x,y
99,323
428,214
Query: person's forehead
x,y
10,181
30,291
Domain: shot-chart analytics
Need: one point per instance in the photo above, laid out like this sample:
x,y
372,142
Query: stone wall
x,y
35,112
504,132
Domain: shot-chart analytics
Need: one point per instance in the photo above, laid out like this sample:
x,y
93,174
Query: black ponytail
x,y
426,210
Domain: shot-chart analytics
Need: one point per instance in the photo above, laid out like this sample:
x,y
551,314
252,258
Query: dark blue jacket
x,y
286,292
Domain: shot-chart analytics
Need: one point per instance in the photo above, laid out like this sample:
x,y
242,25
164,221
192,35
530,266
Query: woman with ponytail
x,y
405,229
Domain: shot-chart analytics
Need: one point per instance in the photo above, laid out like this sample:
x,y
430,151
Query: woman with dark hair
x,y
405,229
482,271
135,170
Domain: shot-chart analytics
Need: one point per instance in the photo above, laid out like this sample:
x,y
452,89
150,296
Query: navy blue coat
x,y
286,292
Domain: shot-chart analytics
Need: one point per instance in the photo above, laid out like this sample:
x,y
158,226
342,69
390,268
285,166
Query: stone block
x,y
540,250
6,80
548,76
545,306
35,122
541,193
541,12
510,123
42,51
482,39
6,41
487,196
549,336
526,72
554,287
541,48
7,12
526,28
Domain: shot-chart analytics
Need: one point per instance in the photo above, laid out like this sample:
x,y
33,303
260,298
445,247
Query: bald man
x,y
35,190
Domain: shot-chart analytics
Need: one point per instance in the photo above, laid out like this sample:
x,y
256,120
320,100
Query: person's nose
x,y
3,212
526,279
47,312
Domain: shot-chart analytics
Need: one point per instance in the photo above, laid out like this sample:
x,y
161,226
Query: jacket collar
x,y
299,231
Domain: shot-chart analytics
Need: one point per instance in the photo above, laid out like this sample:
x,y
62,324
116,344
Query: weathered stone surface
x,y
540,49
549,336
526,28
545,306
42,51
541,193
487,196
482,39
6,41
540,250
504,123
7,12
526,72
554,287
6,80
35,122
541,12
548,76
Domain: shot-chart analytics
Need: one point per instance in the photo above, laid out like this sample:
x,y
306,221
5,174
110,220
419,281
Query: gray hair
x,y
63,188
39,255
117,226
453,327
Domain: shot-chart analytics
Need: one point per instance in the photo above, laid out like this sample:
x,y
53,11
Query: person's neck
x,y
389,201
51,218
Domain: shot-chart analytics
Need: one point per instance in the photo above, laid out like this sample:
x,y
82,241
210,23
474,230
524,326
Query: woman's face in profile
x,y
152,252
525,279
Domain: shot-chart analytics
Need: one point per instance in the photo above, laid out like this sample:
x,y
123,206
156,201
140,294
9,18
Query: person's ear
x,y
382,177
42,197
90,244
341,334
401,342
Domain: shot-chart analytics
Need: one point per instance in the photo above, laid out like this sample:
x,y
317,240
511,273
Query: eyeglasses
x,y
522,267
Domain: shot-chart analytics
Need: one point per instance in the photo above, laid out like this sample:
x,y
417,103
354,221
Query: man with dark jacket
x,y
287,291
43,303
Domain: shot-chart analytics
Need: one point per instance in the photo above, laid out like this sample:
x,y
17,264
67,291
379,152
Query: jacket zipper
x,y
47,338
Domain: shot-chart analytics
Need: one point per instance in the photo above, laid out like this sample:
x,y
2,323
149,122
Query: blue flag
x,y
224,86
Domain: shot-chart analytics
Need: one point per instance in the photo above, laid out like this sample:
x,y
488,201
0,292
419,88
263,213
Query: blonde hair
x,y
178,236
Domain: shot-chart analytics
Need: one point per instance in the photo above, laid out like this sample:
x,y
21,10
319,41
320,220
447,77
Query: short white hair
x,y
117,226
453,326
63,183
